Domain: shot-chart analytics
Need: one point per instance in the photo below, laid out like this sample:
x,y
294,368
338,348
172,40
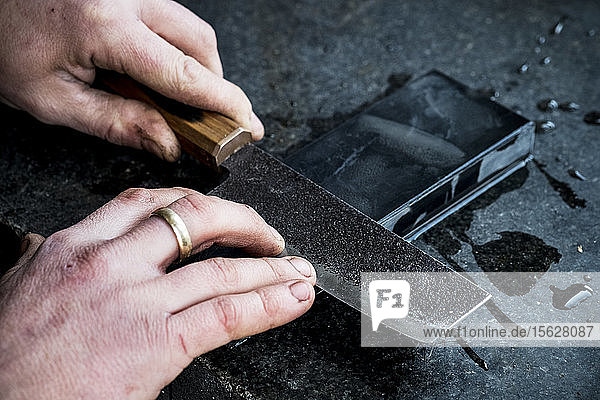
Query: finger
x,y
215,322
184,30
209,220
201,281
151,60
29,246
70,102
125,211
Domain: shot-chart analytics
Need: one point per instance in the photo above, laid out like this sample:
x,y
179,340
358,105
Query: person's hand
x,y
49,51
90,313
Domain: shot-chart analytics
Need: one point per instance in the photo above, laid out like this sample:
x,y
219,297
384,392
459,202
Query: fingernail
x,y
300,290
172,153
302,266
168,151
153,147
284,253
278,238
258,129
25,245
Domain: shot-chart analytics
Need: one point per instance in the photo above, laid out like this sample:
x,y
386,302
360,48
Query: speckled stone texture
x,y
307,66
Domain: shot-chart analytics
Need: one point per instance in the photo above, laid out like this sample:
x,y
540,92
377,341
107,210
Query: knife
x,y
340,241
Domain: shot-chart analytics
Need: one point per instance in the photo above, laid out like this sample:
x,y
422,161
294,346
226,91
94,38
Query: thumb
x,y
113,118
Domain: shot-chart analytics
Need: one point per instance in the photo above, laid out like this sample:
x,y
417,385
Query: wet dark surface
x,y
307,66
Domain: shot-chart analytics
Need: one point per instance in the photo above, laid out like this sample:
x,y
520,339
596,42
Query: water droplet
x,y
591,32
592,118
576,174
570,297
569,106
544,126
545,60
541,39
548,105
558,28
523,68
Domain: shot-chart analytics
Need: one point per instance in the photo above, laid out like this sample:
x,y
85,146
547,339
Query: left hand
x,y
90,313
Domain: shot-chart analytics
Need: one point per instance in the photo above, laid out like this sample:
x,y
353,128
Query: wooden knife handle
x,y
208,136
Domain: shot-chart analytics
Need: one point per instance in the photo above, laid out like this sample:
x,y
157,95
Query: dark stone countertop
x,y
307,66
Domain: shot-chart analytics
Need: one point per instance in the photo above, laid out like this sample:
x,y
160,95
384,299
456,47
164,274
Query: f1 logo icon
x,y
389,299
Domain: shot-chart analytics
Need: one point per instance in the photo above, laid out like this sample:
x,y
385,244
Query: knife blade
x,y
339,240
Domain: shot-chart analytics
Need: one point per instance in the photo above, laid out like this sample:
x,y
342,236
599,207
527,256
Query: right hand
x,y
50,49
91,313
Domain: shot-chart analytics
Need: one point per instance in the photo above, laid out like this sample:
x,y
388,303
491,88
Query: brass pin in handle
x,y
208,136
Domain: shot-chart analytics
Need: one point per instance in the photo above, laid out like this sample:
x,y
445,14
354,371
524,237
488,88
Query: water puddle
x,y
515,252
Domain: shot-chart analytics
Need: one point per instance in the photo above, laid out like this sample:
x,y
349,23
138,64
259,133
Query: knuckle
x,y
84,265
274,267
137,196
208,33
227,316
224,270
107,126
93,12
178,339
270,303
243,102
58,240
186,74
197,203
253,215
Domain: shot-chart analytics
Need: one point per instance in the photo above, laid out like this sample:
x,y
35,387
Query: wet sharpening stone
x,y
419,154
